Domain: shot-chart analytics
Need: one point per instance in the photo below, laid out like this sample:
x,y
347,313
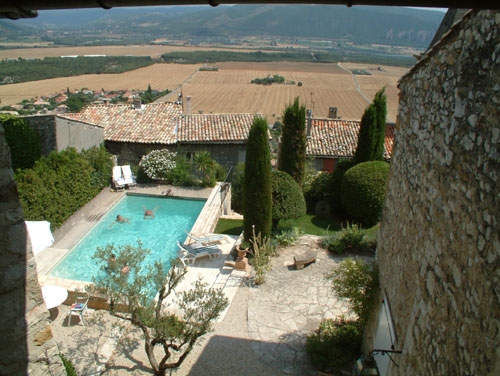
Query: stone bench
x,y
303,260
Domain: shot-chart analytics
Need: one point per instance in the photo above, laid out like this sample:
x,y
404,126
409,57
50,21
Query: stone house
x,y
329,140
131,131
439,245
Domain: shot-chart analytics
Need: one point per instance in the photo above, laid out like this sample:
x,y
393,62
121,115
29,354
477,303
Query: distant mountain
x,y
359,24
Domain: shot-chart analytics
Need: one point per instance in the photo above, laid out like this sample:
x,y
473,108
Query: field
x,y
229,90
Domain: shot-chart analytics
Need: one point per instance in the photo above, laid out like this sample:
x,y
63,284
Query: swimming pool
x,y
173,217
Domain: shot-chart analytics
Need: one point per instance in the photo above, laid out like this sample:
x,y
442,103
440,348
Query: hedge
x,y
362,191
288,200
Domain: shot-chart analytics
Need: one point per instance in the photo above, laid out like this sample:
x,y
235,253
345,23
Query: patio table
x,y
54,295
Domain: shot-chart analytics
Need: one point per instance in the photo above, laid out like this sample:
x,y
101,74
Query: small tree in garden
x,y
356,281
292,155
131,297
257,189
158,163
207,167
337,342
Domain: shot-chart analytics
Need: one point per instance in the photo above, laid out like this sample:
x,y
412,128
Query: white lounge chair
x,y
189,254
128,177
207,239
78,308
118,180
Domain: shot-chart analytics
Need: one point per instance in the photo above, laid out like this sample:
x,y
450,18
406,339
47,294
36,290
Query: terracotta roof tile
x,y
339,138
153,123
215,128
163,123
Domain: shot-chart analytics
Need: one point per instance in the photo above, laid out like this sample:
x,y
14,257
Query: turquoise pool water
x,y
173,217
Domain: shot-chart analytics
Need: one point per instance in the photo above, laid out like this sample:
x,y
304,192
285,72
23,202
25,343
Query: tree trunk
x,y
149,348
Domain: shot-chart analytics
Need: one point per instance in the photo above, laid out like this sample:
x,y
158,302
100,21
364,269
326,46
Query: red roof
x,y
224,128
163,123
339,138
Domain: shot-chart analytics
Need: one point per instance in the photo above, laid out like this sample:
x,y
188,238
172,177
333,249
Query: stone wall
x,y
59,133
27,345
439,247
226,155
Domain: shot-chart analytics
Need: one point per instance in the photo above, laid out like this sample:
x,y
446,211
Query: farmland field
x,y
229,90
154,51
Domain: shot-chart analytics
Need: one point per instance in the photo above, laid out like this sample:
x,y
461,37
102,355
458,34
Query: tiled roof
x,y
163,123
153,123
339,138
214,128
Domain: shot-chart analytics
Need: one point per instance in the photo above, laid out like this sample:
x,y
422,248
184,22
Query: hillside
x,y
395,26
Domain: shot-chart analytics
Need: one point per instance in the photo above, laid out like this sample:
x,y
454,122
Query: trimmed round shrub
x,y
336,181
288,200
362,191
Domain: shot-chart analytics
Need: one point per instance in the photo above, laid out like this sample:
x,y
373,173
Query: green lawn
x,y
229,226
308,224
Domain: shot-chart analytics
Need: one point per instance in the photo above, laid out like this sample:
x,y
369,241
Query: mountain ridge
x,y
360,24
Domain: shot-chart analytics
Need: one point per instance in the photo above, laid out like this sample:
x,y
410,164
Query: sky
x,y
438,9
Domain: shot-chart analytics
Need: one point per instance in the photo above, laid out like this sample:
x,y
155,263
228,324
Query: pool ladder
x,y
95,217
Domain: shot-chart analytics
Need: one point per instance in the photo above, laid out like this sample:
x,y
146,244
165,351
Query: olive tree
x,y
131,298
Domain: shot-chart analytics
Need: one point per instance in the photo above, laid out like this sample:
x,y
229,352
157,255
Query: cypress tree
x,y
257,188
380,103
292,156
372,131
364,150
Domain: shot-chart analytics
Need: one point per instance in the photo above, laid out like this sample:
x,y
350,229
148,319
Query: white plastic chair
x,y
128,177
118,180
78,308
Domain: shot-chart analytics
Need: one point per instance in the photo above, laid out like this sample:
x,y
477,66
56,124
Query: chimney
x,y
137,103
332,113
188,105
309,123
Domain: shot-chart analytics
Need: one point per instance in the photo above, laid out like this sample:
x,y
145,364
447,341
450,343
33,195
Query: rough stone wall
x,y
226,155
439,247
26,346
